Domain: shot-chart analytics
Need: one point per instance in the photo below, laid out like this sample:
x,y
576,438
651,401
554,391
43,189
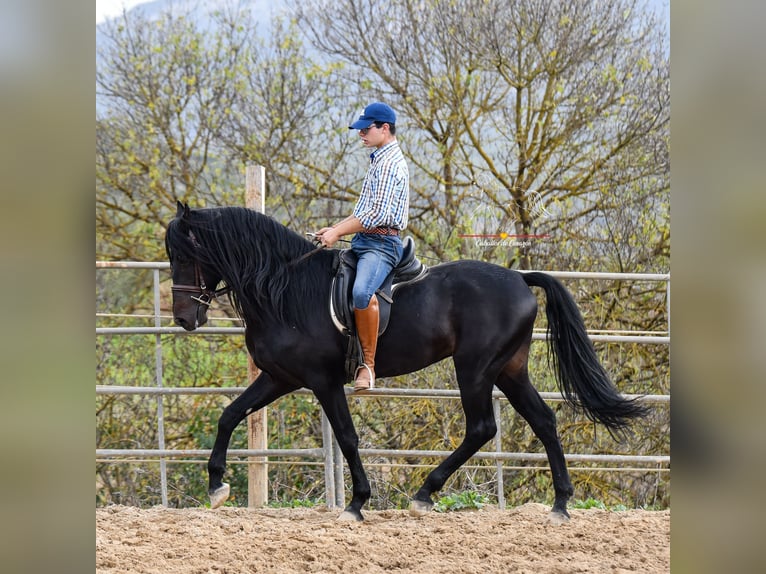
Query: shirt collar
x,y
380,151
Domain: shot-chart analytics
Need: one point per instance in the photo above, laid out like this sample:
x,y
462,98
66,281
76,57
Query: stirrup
x,y
359,387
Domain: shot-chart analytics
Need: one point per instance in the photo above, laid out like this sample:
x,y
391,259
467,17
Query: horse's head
x,y
193,283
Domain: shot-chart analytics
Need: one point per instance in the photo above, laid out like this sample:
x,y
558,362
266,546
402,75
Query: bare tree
x,y
164,90
590,107
288,115
511,106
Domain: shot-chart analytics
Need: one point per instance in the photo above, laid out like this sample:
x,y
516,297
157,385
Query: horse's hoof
x,y
420,507
558,518
219,495
350,516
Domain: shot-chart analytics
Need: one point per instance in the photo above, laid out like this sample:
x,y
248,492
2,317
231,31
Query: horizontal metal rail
x,y
607,276
159,453
375,452
379,392
645,339
169,331
132,265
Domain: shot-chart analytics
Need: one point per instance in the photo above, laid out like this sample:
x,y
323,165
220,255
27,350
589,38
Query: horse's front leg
x,y
260,393
335,405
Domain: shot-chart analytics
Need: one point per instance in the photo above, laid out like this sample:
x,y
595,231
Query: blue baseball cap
x,y
375,112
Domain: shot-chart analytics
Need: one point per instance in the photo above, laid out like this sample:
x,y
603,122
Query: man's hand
x,y
327,236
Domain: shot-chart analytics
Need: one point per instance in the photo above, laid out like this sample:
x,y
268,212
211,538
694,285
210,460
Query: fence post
x,y
340,487
257,423
158,378
667,303
329,464
499,449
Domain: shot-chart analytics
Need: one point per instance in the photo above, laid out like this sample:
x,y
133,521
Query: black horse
x,y
479,313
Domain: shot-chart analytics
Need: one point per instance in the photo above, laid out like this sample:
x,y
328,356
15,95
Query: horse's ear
x,y
182,210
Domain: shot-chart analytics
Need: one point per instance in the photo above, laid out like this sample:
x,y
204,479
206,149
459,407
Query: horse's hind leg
x,y
260,393
515,384
476,398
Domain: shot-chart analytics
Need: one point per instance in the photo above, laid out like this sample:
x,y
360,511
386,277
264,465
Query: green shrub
x,y
461,501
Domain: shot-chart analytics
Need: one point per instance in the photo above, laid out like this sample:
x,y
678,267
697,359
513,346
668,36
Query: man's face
x,y
374,136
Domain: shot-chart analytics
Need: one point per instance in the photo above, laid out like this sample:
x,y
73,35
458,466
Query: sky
x,y
111,8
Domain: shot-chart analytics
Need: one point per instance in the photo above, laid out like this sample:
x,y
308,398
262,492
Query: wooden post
x,y
257,429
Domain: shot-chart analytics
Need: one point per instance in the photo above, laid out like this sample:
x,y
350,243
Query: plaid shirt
x,y
385,197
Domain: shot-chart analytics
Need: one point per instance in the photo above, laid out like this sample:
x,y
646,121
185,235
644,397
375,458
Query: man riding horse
x,y
377,220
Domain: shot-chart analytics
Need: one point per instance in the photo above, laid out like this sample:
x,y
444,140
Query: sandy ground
x,y
519,540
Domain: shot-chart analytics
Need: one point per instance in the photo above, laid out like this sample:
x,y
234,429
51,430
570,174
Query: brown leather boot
x,y
367,322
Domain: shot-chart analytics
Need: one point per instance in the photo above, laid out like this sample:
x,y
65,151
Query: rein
x,y
305,256
314,251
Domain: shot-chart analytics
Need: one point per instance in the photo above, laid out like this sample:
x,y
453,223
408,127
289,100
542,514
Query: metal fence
x,y
330,453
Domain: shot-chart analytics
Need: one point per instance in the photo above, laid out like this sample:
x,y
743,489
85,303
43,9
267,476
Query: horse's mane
x,y
256,256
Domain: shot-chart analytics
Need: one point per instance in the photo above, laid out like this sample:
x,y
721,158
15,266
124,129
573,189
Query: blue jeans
x,y
378,255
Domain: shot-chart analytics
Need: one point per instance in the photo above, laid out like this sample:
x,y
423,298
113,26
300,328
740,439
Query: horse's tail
x,y
581,378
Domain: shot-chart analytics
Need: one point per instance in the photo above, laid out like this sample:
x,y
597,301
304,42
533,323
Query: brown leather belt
x,y
382,231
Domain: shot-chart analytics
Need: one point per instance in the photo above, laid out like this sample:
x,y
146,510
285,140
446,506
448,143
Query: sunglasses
x,y
365,130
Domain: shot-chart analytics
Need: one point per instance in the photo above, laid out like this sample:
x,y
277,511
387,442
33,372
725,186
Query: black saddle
x,y
409,269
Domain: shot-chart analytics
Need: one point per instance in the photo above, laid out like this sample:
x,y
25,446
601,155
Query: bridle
x,y
202,294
